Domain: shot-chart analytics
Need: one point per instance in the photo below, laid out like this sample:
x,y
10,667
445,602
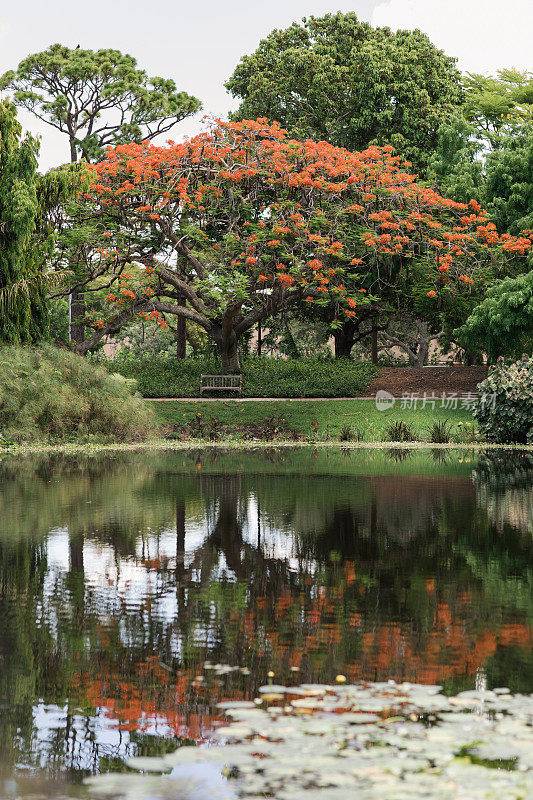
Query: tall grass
x,y
48,394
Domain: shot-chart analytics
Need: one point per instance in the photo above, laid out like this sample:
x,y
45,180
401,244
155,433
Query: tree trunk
x,y
424,339
77,312
227,345
181,337
344,340
422,353
73,151
374,345
259,338
77,306
417,353
180,539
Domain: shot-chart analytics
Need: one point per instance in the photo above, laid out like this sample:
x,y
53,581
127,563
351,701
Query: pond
x,y
126,578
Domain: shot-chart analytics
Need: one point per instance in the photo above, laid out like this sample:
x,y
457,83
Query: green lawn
x,y
323,420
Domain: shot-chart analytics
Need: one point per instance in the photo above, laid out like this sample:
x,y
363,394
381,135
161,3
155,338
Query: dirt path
x,y
417,380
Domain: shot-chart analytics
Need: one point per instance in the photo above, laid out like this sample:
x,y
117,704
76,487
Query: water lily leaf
x,y
234,732
150,764
365,742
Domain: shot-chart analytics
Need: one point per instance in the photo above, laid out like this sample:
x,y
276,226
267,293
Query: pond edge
x,y
69,448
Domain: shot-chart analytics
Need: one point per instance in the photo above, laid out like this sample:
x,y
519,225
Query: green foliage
x,y
97,98
297,332
503,323
439,432
338,79
23,315
485,152
322,420
500,179
59,320
400,431
349,434
508,192
266,428
498,105
48,393
456,162
261,377
505,407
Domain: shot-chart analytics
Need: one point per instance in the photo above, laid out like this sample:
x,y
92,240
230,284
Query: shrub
x,y
200,428
49,394
399,431
439,432
261,377
274,427
349,434
504,409
466,433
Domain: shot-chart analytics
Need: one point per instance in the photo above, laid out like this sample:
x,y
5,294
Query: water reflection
x,y
120,577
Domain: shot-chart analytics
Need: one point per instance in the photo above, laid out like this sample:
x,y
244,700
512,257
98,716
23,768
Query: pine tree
x,y
23,311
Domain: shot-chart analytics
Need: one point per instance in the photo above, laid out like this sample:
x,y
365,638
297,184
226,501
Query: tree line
x,y
363,187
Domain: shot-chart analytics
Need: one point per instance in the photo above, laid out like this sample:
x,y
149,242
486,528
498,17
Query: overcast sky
x,y
199,43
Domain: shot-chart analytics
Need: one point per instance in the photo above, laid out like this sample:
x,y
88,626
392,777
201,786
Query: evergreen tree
x,y
97,98
23,312
503,323
485,151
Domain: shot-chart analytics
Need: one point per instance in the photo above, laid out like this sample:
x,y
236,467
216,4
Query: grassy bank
x,y
327,420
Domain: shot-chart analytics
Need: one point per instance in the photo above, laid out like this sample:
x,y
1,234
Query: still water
x,y
123,578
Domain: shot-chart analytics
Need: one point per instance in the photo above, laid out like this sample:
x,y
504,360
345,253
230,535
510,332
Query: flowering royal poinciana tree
x,y
236,224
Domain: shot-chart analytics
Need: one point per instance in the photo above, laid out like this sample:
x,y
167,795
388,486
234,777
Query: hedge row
x,y
261,377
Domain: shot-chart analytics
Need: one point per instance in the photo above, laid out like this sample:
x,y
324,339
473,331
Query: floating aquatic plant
x,y
373,741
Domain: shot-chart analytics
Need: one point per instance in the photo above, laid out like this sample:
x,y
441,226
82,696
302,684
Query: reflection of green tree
x,y
511,667
85,495
358,547
21,572
503,484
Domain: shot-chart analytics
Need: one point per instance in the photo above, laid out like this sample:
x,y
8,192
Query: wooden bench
x,y
220,383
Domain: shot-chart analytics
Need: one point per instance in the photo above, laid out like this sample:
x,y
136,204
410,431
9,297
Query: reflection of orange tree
x,y
414,607
150,698
384,615
325,629
317,631
450,649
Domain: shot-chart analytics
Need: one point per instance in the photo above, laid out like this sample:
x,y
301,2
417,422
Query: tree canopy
x,y
241,222
97,98
338,79
509,181
485,151
498,105
23,314
503,323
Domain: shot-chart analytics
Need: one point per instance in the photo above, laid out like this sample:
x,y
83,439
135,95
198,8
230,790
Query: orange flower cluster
x,y
320,209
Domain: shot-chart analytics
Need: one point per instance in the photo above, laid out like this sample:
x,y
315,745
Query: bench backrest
x,y
221,381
